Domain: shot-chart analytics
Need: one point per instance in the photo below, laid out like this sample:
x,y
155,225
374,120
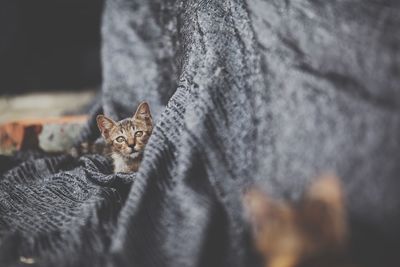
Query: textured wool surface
x,y
272,93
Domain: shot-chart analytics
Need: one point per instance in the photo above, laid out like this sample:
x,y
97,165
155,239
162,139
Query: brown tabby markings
x,y
311,233
127,138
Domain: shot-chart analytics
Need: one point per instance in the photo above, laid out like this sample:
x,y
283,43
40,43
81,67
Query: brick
x,y
49,134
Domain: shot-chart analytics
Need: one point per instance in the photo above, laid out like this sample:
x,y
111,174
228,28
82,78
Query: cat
x,y
123,140
127,138
310,233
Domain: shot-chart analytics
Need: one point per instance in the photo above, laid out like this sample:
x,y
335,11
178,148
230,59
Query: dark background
x,y
49,45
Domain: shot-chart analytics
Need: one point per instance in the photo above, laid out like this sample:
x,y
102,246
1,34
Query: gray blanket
x,y
265,92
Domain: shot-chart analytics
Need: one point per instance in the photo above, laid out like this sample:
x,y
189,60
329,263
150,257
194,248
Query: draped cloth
x,y
265,93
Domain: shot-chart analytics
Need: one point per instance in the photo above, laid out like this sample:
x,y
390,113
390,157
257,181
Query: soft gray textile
x,y
272,93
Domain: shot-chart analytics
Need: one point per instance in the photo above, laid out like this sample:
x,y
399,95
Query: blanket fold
x,y
266,92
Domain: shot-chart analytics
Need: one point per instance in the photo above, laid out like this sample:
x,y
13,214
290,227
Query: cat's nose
x,y
132,147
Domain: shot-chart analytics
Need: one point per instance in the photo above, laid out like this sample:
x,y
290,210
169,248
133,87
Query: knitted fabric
x,y
268,93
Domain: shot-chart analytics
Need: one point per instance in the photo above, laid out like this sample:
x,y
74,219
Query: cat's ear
x,y
323,211
265,213
256,205
273,223
143,112
105,125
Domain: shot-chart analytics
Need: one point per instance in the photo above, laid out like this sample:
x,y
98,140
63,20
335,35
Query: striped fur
x,y
124,141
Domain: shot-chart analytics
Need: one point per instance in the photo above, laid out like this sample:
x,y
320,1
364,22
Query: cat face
x,y
127,137
311,233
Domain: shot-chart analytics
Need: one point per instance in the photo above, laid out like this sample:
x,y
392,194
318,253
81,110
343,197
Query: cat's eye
x,y
139,134
120,139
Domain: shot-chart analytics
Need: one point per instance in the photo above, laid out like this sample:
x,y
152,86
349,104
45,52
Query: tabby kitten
x,y
311,233
127,138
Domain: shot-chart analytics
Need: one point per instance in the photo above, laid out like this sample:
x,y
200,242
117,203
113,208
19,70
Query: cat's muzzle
x,y
134,155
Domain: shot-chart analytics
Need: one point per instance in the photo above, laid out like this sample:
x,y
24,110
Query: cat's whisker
x,y
119,136
124,134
